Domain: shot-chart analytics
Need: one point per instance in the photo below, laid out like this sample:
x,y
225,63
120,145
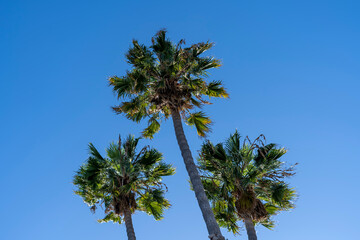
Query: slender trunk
x,y
250,229
129,225
208,215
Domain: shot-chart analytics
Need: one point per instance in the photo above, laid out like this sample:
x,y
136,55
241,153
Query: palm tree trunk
x,y
129,225
208,215
250,229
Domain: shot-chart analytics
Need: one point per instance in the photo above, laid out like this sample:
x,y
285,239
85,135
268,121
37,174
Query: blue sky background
x,y
291,67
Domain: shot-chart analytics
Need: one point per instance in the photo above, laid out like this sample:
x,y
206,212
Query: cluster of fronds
x,y
124,180
245,180
167,78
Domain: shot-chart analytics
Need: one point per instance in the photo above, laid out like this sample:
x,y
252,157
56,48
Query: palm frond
x,y
123,87
134,110
154,203
152,128
200,121
215,89
94,152
149,158
204,64
161,170
140,56
268,223
226,216
199,48
111,217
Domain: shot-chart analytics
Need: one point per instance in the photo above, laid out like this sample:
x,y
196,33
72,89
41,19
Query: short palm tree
x,y
167,79
124,182
245,181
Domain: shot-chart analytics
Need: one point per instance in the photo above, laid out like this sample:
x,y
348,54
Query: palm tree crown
x,y
125,180
166,78
245,180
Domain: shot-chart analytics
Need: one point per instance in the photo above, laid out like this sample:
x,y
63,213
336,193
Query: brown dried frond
x,y
277,175
259,212
173,95
123,202
93,208
247,205
245,202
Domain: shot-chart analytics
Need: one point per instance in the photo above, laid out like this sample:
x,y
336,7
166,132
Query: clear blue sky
x,y
291,67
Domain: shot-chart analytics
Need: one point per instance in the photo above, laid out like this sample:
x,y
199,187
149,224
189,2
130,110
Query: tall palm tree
x,y
124,182
166,80
245,181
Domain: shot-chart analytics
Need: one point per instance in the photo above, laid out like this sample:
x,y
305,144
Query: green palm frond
x,y
154,203
123,87
135,109
152,128
204,64
216,89
212,188
94,152
140,56
226,216
282,195
268,223
200,121
199,48
111,217
113,152
161,170
149,158
278,191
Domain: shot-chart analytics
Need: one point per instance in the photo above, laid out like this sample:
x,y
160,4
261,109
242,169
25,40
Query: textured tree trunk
x,y
208,215
250,229
129,225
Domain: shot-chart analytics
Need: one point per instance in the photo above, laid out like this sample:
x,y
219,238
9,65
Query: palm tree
x,y
245,181
124,182
166,80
